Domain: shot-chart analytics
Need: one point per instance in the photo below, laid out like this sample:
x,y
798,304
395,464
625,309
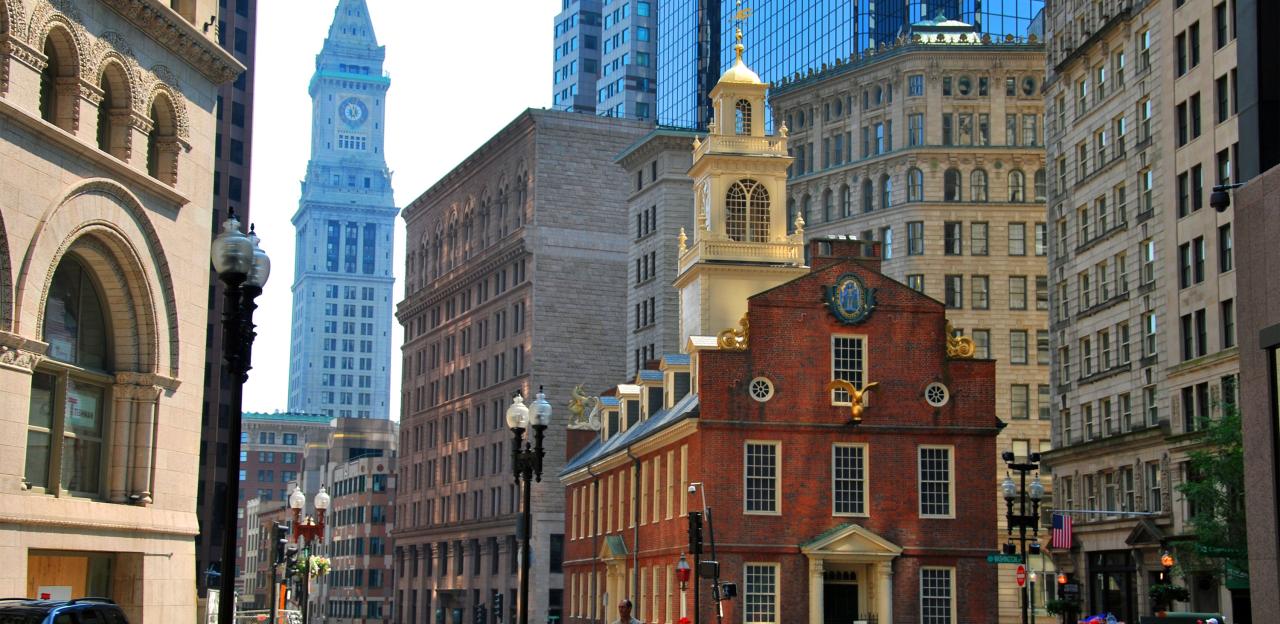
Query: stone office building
x,y
107,137
1140,102
516,268
933,147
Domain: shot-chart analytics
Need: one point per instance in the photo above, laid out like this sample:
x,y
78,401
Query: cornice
x,y
458,281
177,35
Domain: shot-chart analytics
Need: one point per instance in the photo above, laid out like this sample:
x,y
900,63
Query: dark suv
x,y
78,611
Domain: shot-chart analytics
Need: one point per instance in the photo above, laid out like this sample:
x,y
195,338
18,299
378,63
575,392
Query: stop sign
x,y
1021,576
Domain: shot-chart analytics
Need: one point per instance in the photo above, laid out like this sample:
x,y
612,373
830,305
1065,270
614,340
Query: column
x,y
884,591
121,439
815,591
146,404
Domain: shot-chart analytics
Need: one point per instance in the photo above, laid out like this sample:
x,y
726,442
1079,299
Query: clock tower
x,y
340,352
740,245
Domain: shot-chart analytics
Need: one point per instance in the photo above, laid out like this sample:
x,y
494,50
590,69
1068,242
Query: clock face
x,y
353,111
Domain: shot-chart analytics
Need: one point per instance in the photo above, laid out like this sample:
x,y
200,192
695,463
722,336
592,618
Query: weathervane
x,y
738,17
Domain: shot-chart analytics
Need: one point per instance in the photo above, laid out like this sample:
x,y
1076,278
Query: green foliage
x,y
1216,493
1165,594
1061,606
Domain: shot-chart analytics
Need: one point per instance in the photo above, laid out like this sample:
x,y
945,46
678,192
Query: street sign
x,y
1002,558
1021,576
1071,589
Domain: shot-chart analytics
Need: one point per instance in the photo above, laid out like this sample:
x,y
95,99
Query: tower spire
x,y
351,25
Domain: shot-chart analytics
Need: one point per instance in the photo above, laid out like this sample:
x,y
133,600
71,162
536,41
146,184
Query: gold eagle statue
x,y
855,395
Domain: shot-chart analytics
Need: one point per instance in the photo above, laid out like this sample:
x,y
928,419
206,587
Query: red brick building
x,y
818,517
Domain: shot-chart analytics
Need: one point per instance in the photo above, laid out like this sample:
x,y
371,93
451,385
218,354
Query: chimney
x,y
827,250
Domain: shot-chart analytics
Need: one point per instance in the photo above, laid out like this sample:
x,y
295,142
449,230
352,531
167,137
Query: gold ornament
x,y
959,347
735,339
855,395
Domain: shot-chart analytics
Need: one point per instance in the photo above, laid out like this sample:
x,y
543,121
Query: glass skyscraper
x,y
695,38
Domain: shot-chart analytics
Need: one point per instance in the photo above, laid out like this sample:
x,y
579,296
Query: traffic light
x,y
280,533
497,607
480,613
695,532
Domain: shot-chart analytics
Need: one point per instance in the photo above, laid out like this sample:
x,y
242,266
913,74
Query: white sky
x,y
460,71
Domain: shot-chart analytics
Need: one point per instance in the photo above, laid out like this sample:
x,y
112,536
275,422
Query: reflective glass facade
x,y
788,36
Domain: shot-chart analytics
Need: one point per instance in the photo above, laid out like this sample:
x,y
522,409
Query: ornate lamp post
x,y
307,533
1023,520
526,464
244,268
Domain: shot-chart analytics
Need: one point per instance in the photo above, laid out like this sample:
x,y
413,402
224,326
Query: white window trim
x,y
777,588
951,481
866,479
954,598
777,480
865,365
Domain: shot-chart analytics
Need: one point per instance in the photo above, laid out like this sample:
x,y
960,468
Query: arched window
x,y
806,209
915,185
162,141
978,185
846,201
758,219
115,104
886,191
1017,186
735,212
65,445
826,206
742,117
1040,185
951,185
60,71
868,195
747,212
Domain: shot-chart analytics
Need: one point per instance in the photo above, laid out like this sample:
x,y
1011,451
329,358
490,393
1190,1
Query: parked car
x,y
78,611
1182,617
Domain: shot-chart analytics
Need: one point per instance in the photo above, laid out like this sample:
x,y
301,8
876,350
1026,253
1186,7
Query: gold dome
x,y
740,73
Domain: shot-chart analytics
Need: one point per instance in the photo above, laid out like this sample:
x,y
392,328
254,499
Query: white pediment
x,y
852,542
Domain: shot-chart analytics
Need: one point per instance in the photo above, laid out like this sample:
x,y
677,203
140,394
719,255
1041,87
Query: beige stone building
x,y
515,279
934,148
106,139
1140,102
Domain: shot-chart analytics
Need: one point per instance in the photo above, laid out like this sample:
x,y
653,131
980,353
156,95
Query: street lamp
x,y
526,464
307,532
1166,561
682,575
243,267
1022,520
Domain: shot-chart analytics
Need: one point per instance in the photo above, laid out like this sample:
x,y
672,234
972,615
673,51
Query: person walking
x,y
624,613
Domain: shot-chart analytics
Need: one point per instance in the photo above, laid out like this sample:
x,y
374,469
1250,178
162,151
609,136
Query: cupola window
x,y
747,212
742,117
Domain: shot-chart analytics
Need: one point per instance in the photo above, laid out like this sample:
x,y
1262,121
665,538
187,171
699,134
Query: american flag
x,y
1061,532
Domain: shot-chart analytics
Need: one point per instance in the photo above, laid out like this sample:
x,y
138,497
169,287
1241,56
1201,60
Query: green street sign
x,y
1002,558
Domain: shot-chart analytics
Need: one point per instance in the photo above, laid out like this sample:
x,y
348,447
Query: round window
x,y
761,389
1029,86
965,85
936,394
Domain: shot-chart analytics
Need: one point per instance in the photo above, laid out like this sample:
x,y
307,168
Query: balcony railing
x,y
785,251
741,144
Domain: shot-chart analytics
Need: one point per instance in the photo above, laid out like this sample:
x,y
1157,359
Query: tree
x,y
1215,493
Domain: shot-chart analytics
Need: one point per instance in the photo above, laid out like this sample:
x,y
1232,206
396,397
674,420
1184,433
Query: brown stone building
x,y
516,266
